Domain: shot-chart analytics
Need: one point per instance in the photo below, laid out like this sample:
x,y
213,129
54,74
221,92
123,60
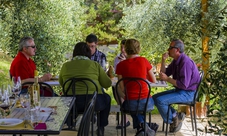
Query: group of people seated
x,y
89,62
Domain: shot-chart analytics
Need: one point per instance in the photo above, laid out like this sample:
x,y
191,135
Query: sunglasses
x,y
32,46
171,47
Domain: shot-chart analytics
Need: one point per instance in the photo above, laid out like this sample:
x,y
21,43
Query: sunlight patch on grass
x,y
5,62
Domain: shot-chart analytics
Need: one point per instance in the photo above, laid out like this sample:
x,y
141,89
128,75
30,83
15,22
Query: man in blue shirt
x,y
183,74
96,55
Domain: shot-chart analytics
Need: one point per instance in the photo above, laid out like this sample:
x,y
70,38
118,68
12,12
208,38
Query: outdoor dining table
x,y
54,120
53,83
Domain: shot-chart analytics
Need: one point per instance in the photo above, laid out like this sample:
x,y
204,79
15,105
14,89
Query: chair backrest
x,y
137,83
197,89
87,116
44,88
71,85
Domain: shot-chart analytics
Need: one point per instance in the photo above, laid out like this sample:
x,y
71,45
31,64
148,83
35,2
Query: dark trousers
x,y
102,105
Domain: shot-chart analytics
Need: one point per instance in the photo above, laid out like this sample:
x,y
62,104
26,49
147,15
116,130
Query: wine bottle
x,y
36,90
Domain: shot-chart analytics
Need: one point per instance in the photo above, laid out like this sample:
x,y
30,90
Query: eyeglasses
x,y
171,47
32,46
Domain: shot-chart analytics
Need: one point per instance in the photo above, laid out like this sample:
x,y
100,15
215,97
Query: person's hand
x,y
46,77
163,76
165,56
122,57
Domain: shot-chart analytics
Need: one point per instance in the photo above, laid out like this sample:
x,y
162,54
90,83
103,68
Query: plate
x,y
10,122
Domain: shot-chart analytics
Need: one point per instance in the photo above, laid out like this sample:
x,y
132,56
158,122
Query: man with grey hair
x,y
183,74
23,65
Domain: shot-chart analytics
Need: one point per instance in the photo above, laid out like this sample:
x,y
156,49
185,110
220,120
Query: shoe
x,y
154,126
181,116
175,121
175,129
119,126
101,131
149,131
140,132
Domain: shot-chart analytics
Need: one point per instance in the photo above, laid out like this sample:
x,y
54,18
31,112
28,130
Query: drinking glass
x,y
5,103
16,87
25,103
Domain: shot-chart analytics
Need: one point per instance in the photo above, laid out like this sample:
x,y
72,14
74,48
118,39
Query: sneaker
x,y
175,129
154,126
140,132
175,121
181,116
119,126
149,131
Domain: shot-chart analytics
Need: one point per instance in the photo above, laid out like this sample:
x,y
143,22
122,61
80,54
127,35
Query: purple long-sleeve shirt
x,y
185,72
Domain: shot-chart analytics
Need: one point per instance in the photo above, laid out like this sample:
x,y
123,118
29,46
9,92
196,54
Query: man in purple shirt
x,y
183,74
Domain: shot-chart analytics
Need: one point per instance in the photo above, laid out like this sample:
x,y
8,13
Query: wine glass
x,y
16,87
25,103
5,103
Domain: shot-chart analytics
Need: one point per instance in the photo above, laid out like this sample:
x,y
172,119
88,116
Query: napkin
x,y
41,126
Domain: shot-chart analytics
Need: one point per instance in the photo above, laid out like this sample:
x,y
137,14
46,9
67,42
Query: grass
x,y
5,62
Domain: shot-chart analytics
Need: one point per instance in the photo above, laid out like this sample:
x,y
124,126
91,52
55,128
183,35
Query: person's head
x,y
27,46
92,42
132,47
81,49
176,47
123,47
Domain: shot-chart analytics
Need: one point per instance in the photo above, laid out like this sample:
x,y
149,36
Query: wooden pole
x,y
205,40
205,50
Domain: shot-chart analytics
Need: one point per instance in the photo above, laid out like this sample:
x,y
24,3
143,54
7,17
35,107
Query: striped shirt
x,y
99,57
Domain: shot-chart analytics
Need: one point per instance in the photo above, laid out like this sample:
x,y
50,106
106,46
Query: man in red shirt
x,y
23,65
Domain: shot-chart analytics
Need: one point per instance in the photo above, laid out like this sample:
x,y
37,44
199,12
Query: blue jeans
x,y
163,99
132,105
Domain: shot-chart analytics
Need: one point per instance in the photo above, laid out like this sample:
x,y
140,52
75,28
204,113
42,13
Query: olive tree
x,y
54,24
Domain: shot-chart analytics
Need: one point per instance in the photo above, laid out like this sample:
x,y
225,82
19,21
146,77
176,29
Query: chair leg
x,y
145,126
149,118
92,125
167,123
122,122
192,118
98,122
194,108
163,125
117,118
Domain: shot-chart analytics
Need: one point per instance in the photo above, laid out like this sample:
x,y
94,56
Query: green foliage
x,y
218,91
4,69
102,18
160,21
216,78
54,24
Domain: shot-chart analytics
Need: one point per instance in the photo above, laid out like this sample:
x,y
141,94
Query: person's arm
x,y
116,61
45,77
121,89
104,80
163,64
164,77
151,76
